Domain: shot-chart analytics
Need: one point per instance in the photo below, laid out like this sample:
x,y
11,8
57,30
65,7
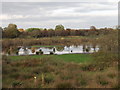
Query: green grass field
x,y
77,58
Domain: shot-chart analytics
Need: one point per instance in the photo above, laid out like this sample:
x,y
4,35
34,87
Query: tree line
x,y
13,32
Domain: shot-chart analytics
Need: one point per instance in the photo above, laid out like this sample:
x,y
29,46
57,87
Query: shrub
x,y
101,80
82,80
49,78
16,84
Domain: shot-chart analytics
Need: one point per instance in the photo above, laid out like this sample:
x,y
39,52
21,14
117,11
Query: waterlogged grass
x,y
77,58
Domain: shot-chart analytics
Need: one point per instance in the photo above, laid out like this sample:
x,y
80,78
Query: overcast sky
x,y
70,14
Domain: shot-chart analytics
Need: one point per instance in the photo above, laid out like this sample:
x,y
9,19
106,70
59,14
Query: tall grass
x,y
52,73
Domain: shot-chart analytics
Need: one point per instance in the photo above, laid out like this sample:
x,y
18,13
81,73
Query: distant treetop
x,y
32,29
92,27
59,27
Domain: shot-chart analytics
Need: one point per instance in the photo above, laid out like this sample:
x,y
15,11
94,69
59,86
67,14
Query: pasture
x,y
77,58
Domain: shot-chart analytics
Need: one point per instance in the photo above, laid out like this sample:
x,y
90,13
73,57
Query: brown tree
x,y
11,31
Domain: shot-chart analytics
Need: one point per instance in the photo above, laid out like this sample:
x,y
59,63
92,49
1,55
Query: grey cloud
x,y
31,7
60,0
39,14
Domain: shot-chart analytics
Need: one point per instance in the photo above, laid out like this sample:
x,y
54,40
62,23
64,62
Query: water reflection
x,y
59,50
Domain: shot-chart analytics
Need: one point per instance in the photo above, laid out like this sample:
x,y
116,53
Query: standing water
x,y
60,50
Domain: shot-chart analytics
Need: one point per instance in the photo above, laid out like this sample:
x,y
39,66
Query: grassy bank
x,y
77,58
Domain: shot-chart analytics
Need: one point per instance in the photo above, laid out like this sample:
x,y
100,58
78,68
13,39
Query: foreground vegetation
x,y
49,72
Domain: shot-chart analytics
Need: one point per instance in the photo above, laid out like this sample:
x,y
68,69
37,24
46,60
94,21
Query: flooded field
x,y
58,50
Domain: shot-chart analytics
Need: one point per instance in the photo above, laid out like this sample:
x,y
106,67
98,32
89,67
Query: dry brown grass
x,y
51,73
